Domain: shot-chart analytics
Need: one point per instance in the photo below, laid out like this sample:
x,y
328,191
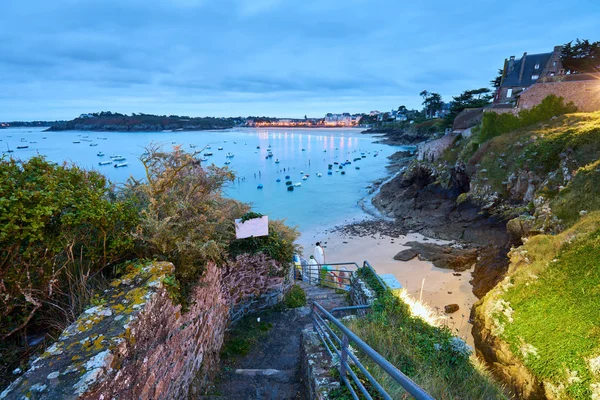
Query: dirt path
x,y
271,370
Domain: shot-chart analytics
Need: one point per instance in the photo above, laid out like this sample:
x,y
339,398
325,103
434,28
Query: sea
x,y
319,203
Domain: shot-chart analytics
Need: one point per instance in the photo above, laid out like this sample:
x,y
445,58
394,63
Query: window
x,y
509,93
534,76
537,66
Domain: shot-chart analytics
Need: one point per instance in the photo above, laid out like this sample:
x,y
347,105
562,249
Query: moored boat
x,y
105,162
120,165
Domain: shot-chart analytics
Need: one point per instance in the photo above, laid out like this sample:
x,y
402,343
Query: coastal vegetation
x,y
537,173
546,310
66,232
412,338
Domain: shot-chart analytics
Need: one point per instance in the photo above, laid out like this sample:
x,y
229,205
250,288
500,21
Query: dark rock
x,y
489,269
406,255
451,308
444,256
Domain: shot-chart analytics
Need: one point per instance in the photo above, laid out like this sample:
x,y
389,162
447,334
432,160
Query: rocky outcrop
x,y
499,356
447,257
419,200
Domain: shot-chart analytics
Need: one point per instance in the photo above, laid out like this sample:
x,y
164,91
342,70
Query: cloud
x,y
236,57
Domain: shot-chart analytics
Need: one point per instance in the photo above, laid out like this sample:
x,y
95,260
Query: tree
x,y
581,57
402,109
495,83
468,99
432,102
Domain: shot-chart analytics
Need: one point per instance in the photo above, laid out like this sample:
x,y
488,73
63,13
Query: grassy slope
x,y
422,351
547,309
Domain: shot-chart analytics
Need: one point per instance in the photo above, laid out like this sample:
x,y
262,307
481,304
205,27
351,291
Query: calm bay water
x,y
319,203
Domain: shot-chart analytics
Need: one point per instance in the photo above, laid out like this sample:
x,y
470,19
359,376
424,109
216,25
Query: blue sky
x,y
60,58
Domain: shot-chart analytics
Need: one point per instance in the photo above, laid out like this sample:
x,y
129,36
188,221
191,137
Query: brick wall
x,y
585,94
138,344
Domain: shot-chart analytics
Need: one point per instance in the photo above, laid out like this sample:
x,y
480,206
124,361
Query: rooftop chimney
x,y
511,64
522,66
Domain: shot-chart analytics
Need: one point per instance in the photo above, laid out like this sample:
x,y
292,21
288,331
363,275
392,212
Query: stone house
x,y
520,74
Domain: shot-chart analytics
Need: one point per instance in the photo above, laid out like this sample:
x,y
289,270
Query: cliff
x,y
141,123
535,190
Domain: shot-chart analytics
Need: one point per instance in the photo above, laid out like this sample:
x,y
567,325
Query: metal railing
x,y
381,282
338,348
333,275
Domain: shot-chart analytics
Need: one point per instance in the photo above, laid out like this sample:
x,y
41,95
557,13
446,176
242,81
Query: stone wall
x,y
584,94
360,293
432,149
137,344
316,365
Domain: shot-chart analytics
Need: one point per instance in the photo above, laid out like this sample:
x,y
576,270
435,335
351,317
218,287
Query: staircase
x,y
271,371
327,297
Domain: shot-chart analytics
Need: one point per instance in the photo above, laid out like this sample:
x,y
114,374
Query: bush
x,y
58,225
278,245
295,297
497,124
185,219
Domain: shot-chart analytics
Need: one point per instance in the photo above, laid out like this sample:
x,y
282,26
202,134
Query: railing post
x,y
344,358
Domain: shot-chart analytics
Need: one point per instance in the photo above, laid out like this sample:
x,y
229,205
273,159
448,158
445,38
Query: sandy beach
x,y
440,286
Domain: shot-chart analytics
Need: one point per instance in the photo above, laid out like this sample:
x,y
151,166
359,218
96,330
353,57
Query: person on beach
x,y
319,253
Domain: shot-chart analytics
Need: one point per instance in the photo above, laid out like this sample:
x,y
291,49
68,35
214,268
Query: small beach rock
x,y
406,255
451,308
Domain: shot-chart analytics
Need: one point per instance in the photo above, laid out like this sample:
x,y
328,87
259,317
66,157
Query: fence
x,y
338,348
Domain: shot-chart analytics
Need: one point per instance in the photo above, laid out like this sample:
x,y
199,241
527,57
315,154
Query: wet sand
x,y
440,287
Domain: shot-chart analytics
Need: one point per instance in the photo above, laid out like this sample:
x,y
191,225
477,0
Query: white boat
x,y
304,177
100,154
229,155
227,162
207,154
105,162
319,174
220,148
298,184
118,158
120,165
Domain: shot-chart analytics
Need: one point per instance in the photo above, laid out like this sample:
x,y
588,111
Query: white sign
x,y
253,227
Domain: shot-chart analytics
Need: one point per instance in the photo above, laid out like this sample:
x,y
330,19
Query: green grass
x,y
580,194
295,297
555,296
421,351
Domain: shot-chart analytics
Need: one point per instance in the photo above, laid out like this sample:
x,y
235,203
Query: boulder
x,y
451,308
446,257
406,255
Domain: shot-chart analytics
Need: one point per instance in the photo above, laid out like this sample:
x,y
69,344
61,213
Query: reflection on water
x,y
319,201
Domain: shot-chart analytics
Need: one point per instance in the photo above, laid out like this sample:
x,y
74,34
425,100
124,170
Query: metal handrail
x,y
326,333
338,281
381,282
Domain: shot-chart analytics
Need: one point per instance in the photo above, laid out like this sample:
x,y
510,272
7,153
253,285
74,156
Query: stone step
x,y
274,374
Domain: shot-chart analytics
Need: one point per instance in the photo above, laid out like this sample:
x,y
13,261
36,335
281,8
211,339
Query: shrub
x,y
497,124
185,218
279,244
59,225
295,297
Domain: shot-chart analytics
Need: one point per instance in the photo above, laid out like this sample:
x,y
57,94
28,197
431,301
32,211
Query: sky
x,y
286,58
